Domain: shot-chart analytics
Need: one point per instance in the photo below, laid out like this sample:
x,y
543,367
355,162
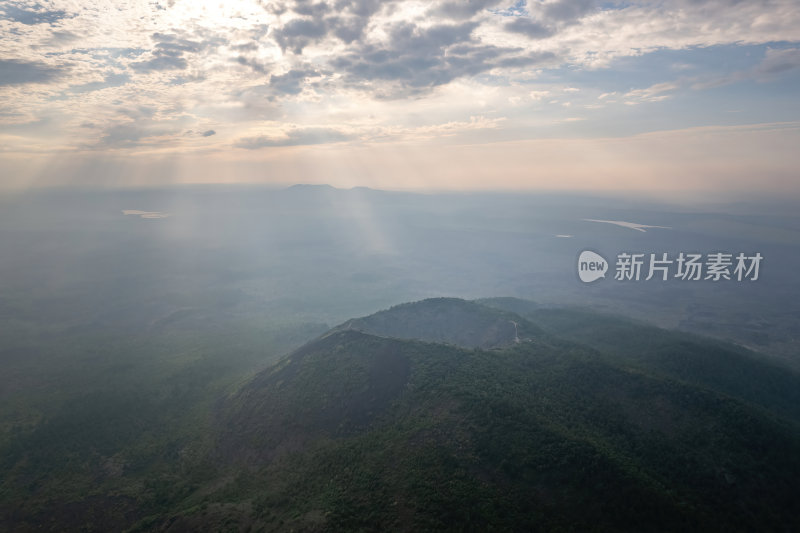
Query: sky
x,y
682,98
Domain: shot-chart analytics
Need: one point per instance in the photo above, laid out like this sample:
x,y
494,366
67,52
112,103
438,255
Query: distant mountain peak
x,y
311,187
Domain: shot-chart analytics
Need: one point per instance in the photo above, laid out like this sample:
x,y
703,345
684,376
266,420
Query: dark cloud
x,y
254,64
525,60
418,59
343,19
413,59
291,82
778,61
348,28
296,137
310,8
529,28
169,51
250,46
568,10
161,61
31,17
361,8
209,133
549,18
17,72
299,33
463,9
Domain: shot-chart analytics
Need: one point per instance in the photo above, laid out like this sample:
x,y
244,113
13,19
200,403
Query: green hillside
x,y
690,358
365,433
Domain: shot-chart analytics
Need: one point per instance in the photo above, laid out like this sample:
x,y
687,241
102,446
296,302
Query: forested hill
x,y
356,431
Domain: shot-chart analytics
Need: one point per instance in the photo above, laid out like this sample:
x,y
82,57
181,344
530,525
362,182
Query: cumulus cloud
x,y
342,19
299,33
414,59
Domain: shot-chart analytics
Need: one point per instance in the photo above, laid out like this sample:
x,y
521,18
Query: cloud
x,y
306,136
369,69
567,10
123,134
529,28
60,38
160,61
143,130
654,93
254,64
778,61
775,63
31,17
447,129
17,72
170,51
342,19
299,33
462,9
545,19
296,137
415,59
110,80
310,8
291,82
208,133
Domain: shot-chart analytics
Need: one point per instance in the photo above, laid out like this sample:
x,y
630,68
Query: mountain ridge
x,y
355,431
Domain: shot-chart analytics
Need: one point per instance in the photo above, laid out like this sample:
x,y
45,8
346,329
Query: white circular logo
x,y
591,266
